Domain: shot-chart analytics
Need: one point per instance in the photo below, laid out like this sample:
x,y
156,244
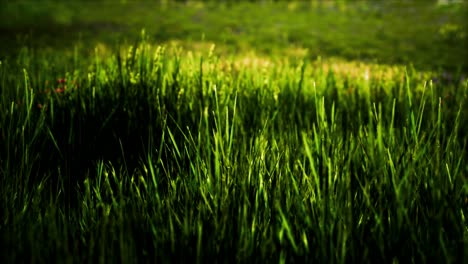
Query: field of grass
x,y
417,32
141,147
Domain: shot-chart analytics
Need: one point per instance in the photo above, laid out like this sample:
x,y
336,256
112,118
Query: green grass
x,y
144,153
419,32
154,154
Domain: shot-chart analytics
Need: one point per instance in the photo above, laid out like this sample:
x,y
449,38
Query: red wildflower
x,y
61,81
60,90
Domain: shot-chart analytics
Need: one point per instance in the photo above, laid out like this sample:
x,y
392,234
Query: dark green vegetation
x,y
144,152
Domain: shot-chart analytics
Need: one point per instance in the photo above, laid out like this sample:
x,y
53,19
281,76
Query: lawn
x,y
261,131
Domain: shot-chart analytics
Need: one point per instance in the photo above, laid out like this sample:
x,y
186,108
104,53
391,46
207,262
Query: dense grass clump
x,y
160,154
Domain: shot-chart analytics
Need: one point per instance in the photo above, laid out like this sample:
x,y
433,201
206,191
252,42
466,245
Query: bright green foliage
x,y
156,153
255,150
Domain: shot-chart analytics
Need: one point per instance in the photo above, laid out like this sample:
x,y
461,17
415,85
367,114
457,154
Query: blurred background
x,y
427,34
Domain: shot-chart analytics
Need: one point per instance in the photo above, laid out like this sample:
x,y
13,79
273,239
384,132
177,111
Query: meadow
x,y
178,140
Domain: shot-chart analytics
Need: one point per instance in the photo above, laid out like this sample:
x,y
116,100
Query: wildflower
x,y
60,89
61,81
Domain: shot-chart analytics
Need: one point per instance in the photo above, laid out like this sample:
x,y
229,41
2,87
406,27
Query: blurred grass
x,y
427,35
